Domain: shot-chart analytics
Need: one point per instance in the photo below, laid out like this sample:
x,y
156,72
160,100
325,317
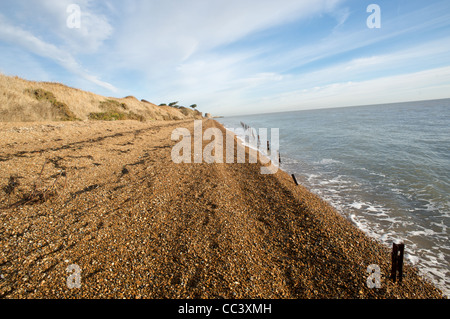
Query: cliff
x,y
28,101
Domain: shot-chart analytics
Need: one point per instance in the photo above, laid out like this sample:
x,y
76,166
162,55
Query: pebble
x,y
176,230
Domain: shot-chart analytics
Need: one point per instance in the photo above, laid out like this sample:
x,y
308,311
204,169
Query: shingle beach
x,y
107,197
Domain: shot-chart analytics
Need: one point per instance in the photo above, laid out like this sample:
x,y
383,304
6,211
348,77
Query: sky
x,y
233,57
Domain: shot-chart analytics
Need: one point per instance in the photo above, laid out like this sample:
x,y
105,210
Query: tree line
x,y
175,105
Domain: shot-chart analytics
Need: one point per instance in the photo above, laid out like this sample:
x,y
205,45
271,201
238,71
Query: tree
x,y
193,106
173,103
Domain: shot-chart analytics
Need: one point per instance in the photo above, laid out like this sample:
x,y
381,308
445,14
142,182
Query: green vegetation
x,y
113,111
107,116
175,105
184,110
64,112
113,105
115,116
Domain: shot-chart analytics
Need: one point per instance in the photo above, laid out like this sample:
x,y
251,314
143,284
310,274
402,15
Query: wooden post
x,y
279,158
401,248
295,180
394,262
268,146
397,261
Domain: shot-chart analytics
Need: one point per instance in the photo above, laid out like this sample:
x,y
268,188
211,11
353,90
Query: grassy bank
x,y
22,100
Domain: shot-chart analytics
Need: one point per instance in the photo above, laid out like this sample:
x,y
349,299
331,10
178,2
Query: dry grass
x,y
28,101
65,114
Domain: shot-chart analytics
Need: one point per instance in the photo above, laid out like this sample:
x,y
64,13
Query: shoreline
x,y
140,226
287,178
382,238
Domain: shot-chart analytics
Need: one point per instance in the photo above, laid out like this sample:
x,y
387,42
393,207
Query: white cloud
x,y
21,64
238,80
180,49
428,84
154,33
49,19
342,41
384,77
341,15
177,45
26,40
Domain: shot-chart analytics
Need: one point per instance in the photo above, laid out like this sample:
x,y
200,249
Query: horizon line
x,y
334,107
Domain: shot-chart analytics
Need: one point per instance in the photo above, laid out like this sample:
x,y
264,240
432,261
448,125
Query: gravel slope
x,y
110,200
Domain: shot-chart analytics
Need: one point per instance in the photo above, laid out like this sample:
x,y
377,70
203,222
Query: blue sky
x,y
234,56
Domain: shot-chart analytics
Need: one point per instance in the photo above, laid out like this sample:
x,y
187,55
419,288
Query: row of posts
x,y
397,249
249,128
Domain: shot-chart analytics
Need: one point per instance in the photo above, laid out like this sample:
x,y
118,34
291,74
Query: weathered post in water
x,y
295,180
397,261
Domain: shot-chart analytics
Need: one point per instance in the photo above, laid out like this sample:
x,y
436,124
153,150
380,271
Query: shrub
x,y
134,116
112,105
107,116
115,116
63,110
113,111
185,111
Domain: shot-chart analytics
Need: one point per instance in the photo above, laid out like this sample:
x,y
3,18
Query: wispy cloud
x,y
166,32
278,91
243,80
235,55
429,84
80,40
48,18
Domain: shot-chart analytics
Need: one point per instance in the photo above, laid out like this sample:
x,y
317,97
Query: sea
x,y
386,168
